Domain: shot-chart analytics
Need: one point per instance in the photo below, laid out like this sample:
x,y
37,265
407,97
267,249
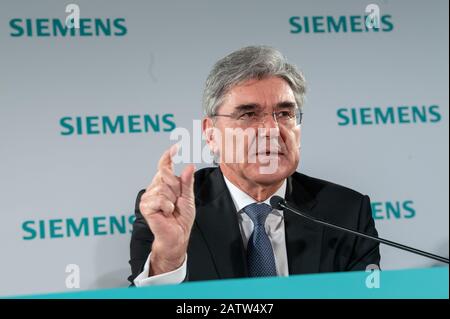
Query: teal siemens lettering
x,y
401,115
70,227
393,210
57,28
121,124
341,24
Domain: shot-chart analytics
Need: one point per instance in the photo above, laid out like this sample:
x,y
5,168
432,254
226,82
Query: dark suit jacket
x,y
216,250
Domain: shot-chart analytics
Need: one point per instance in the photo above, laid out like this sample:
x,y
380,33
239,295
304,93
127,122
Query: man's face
x,y
263,152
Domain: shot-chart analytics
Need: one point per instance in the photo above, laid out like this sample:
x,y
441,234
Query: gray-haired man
x,y
216,223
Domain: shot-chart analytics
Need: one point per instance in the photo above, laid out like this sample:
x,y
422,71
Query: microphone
x,y
278,202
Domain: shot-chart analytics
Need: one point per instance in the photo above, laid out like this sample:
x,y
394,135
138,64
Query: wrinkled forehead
x,y
265,94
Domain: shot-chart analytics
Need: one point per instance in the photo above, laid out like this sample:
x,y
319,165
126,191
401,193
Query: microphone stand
x,y
277,202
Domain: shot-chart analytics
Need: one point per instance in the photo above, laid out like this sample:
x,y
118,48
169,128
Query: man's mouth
x,y
270,153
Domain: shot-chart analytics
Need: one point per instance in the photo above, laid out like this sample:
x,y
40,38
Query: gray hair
x,y
252,62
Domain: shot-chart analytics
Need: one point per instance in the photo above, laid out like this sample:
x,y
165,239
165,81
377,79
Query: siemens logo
x,y
341,24
393,210
121,124
389,115
70,227
57,28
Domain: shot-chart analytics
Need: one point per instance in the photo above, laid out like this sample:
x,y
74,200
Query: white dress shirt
x,y
274,228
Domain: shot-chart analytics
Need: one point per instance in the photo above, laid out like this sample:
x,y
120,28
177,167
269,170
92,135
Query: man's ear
x,y
208,131
298,135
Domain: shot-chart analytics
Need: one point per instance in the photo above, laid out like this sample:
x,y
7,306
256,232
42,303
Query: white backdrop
x,y
67,195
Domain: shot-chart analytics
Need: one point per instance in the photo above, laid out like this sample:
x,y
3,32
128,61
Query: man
x,y
216,223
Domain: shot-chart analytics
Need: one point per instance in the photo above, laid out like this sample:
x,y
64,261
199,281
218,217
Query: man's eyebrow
x,y
247,107
286,105
253,106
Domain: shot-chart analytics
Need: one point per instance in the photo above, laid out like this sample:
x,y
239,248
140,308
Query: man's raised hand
x,y
168,206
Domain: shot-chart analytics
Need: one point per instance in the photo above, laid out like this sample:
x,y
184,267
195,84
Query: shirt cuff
x,y
176,276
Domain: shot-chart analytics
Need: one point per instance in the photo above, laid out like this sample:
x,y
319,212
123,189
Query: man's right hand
x,y
168,206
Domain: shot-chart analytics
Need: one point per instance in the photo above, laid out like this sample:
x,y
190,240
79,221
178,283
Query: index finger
x,y
166,159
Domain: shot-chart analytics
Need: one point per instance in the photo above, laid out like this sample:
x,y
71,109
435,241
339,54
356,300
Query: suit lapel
x,y
218,223
303,237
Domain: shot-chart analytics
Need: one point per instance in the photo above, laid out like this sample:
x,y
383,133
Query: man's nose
x,y
270,123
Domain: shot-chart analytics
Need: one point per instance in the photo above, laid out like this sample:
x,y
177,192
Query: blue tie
x,y
260,257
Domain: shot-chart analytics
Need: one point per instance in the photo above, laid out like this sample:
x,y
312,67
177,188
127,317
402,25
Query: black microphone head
x,y
275,202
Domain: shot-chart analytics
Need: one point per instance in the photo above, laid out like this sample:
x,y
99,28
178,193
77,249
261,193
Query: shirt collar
x,y
242,199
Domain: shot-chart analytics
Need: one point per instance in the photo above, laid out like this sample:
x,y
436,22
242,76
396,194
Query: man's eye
x,y
247,115
284,114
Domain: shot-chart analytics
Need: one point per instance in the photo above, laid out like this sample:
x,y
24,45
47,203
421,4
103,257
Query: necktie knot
x,y
258,212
